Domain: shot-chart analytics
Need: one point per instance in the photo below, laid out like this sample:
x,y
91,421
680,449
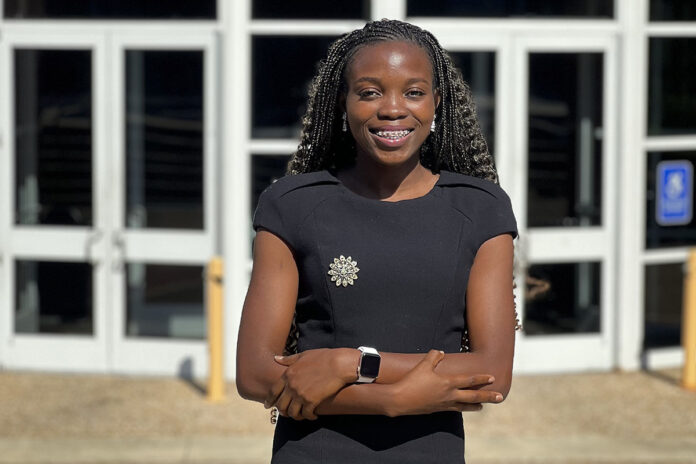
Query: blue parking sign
x,y
675,181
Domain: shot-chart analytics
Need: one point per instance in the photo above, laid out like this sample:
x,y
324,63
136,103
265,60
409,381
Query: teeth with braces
x,y
393,134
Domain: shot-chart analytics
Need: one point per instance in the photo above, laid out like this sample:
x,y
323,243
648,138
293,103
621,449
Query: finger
x,y
469,407
283,402
477,396
286,360
471,381
274,392
294,410
308,412
433,357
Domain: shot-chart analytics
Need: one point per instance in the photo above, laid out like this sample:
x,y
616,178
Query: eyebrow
x,y
375,80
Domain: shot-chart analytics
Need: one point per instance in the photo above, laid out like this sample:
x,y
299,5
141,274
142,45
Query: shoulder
x,y
463,185
298,184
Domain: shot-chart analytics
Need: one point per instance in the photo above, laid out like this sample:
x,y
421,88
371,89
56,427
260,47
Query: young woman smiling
x,y
382,263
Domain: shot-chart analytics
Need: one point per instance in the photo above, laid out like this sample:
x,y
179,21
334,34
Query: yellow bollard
x,y
216,380
689,324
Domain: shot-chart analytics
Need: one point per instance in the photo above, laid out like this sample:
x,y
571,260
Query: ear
x,y
436,95
342,102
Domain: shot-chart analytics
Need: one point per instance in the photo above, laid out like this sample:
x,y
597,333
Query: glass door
x,y
54,273
164,209
564,164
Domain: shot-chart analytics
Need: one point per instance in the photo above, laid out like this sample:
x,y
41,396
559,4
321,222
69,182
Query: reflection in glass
x,y
565,139
265,169
672,10
164,139
507,8
663,305
53,297
279,103
310,9
53,137
478,70
164,301
562,298
671,90
110,9
657,236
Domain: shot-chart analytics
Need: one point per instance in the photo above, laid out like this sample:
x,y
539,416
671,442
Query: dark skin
x,y
390,84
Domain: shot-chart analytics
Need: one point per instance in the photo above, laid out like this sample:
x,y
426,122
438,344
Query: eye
x,y
368,93
415,93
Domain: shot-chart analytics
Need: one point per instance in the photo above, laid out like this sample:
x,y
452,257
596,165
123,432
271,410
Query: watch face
x,y
370,365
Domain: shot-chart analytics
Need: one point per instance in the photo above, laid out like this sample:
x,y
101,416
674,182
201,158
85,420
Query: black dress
x,y
390,275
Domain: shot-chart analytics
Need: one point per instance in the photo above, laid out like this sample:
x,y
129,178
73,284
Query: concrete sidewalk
x,y
584,418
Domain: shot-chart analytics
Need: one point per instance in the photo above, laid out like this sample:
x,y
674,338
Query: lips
x,y
391,136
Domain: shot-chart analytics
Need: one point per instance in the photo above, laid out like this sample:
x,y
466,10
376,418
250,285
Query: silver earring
x,y
432,126
344,128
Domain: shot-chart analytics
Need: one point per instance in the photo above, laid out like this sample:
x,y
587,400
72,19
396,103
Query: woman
x,y
387,243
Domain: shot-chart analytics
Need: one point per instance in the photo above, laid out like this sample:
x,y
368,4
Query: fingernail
x,y
278,357
499,397
442,352
491,379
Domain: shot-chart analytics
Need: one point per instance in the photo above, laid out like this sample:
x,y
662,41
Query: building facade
x,y
135,140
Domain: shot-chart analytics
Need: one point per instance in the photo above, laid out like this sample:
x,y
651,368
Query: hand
x,y
422,391
310,378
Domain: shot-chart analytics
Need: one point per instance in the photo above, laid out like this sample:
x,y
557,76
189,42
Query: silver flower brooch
x,y
344,271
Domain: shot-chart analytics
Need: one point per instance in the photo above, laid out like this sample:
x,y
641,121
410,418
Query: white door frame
x,y
53,243
160,246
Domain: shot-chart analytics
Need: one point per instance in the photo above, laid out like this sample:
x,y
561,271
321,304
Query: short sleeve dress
x,y
390,275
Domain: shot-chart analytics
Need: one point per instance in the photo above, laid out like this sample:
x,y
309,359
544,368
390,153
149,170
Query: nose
x,y
392,107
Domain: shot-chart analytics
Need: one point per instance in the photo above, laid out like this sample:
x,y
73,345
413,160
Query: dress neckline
x,y
351,193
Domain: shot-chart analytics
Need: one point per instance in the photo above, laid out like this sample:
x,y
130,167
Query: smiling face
x,y
390,101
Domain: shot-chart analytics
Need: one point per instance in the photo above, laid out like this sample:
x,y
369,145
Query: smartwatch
x,y
368,367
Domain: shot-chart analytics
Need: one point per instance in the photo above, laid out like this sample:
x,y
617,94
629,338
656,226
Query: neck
x,y
381,181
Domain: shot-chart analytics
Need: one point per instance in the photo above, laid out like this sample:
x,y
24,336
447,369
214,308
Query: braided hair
x,y
457,143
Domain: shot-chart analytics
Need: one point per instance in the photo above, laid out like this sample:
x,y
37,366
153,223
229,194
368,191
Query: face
x,y
390,101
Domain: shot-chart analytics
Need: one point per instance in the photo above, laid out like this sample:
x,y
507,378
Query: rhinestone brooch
x,y
343,271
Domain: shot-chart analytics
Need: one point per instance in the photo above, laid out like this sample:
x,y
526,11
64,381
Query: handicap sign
x,y
675,182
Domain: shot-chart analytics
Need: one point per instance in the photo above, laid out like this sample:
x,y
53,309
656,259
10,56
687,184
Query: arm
x,y
266,319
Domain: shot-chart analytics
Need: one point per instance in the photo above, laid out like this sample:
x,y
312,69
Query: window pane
x,y
310,9
278,104
164,139
672,10
562,298
565,139
671,92
657,235
663,305
110,9
478,70
53,297
265,169
53,137
165,301
508,8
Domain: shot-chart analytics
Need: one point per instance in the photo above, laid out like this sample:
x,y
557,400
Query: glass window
x,y
265,169
53,297
279,97
562,298
165,301
164,139
672,10
663,305
478,70
671,93
513,8
110,9
657,235
310,9
565,139
53,137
